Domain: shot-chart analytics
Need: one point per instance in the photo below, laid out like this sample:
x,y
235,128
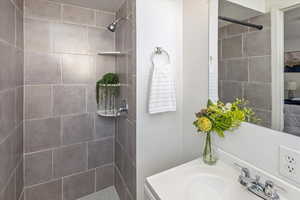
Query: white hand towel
x,y
162,91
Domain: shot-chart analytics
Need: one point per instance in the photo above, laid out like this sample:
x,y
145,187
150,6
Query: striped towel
x,y
162,91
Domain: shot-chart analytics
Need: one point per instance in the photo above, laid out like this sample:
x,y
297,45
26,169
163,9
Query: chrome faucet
x,y
265,191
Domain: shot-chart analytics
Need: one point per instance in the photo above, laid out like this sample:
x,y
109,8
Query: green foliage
x,y
109,78
106,87
224,117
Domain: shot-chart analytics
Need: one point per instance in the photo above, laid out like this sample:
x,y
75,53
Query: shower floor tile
x,y
109,193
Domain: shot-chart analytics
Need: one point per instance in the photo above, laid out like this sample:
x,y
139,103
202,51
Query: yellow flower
x,y
204,124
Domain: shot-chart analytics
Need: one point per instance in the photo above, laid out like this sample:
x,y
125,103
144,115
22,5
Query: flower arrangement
x,y
219,118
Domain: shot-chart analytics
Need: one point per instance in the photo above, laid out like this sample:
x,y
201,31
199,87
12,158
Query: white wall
x,y
259,146
167,140
259,5
159,137
281,3
195,71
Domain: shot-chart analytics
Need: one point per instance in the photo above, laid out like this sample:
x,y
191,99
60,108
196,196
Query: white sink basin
x,y
197,181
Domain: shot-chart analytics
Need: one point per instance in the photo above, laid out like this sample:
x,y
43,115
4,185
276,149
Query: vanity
x,y
227,180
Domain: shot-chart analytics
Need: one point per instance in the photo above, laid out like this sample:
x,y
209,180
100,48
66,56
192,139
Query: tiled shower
x,y
245,65
54,145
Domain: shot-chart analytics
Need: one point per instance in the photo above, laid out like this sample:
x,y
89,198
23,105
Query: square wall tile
x,y
8,69
19,180
69,160
79,185
78,15
104,64
9,158
69,100
101,40
131,147
104,177
38,102
100,153
10,191
235,29
38,167
42,9
47,191
237,70
42,134
70,38
42,68
7,113
258,43
105,127
103,19
7,21
37,35
78,69
259,95
264,20
19,104
260,69
120,185
119,157
91,98
78,128
232,47
18,58
19,29
231,90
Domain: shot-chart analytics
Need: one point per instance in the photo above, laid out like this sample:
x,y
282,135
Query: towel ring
x,y
160,51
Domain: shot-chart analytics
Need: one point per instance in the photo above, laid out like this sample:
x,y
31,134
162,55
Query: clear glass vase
x,y
209,154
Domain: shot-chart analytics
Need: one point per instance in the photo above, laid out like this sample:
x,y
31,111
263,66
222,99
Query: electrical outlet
x,y
291,159
289,163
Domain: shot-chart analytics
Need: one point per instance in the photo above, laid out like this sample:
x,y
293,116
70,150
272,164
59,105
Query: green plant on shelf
x,y
107,89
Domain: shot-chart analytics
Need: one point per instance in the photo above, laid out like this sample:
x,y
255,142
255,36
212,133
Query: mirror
x,y
292,71
244,69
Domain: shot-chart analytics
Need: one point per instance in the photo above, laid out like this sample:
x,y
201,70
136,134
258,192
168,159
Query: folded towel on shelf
x,y
162,90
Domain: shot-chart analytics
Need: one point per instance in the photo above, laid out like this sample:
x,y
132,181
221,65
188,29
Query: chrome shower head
x,y
113,26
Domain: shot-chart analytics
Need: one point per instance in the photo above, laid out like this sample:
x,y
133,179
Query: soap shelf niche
x,y
111,53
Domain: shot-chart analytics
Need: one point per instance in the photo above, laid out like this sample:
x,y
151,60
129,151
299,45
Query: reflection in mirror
x,y
244,68
292,71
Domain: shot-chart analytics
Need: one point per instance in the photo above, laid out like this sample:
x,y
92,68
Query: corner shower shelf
x,y
111,53
103,113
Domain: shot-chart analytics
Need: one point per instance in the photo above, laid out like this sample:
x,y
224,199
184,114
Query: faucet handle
x,y
272,185
245,172
269,188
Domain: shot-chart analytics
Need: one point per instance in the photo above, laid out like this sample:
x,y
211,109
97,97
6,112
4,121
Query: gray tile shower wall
x,y
11,99
69,150
245,65
125,142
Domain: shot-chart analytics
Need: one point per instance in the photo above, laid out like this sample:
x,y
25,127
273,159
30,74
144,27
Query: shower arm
x,y
259,27
119,19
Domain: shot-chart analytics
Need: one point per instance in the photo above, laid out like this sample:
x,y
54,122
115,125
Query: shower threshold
x,y
109,193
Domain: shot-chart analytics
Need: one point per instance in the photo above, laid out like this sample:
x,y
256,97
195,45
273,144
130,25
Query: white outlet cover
x,y
289,159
